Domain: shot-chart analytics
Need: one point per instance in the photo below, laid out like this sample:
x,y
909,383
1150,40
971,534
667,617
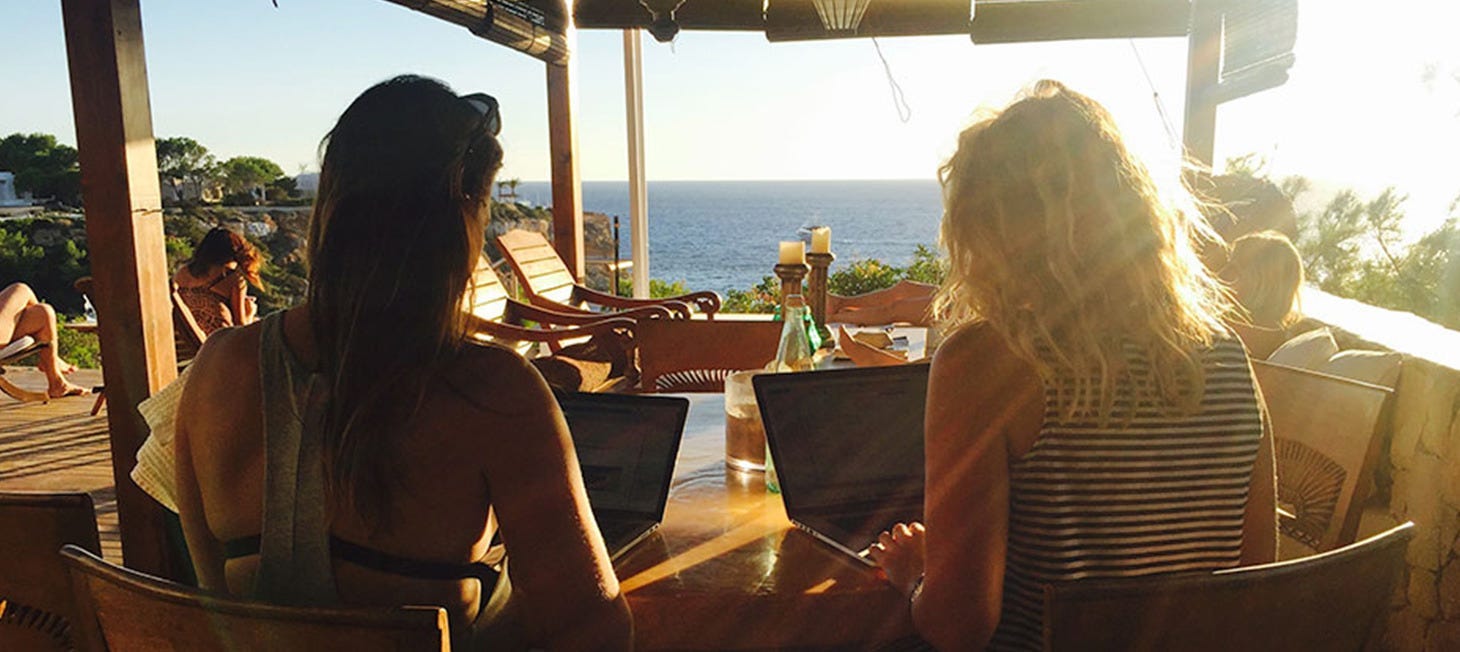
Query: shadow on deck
x,y
59,446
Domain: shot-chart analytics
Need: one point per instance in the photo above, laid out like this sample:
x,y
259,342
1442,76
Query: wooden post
x,y
638,185
128,261
567,188
1203,67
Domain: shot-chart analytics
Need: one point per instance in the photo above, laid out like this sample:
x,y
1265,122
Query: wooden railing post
x,y
128,260
567,188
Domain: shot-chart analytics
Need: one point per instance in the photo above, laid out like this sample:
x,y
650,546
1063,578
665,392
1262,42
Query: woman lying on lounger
x,y
21,315
1090,416
361,448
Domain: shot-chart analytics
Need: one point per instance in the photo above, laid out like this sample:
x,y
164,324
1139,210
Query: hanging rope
x,y
899,100
1155,96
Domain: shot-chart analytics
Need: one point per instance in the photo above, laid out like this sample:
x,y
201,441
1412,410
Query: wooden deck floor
x,y
59,446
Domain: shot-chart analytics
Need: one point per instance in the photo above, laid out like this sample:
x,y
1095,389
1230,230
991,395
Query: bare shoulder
x,y
227,353
976,346
498,380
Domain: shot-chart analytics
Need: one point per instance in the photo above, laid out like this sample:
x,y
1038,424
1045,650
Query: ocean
x,y
721,235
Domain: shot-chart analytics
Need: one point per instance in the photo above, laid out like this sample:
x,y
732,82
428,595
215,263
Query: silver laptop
x,y
848,449
626,447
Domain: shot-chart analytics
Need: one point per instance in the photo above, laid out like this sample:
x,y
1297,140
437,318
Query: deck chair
x,y
16,351
499,318
1329,601
697,355
131,611
37,609
1323,433
548,283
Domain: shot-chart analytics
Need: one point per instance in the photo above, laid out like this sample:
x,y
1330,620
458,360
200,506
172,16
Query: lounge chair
x,y
37,608
548,283
1330,601
131,611
497,317
14,352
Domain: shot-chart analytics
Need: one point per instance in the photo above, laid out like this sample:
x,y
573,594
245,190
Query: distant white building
x,y
7,191
307,183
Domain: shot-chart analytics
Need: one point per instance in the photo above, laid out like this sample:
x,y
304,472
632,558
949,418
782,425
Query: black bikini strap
x,y
380,561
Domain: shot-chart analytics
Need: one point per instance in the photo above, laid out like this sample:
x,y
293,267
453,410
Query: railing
x,y
1419,474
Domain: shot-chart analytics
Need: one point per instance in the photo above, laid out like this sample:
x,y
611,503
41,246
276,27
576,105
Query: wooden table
x,y
726,571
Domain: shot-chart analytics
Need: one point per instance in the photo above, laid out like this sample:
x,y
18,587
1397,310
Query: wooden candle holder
x,y
816,286
791,276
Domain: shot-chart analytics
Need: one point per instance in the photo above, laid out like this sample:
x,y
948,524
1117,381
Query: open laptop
x,y
626,447
848,449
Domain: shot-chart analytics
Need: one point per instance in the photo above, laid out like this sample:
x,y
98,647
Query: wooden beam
x,y
1060,20
128,262
693,14
567,185
1203,68
792,20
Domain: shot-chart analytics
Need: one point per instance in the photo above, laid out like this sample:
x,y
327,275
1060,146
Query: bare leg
x,y
39,321
14,299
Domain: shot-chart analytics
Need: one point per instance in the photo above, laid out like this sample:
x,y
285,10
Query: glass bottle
x,y
793,354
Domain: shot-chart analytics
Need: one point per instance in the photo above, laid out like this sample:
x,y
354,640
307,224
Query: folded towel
x,y
155,460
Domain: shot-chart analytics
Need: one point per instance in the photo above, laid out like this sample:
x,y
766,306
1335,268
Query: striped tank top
x,y
1150,492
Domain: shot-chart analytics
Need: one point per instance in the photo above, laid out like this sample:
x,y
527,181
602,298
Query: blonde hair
x,y
1059,240
1265,272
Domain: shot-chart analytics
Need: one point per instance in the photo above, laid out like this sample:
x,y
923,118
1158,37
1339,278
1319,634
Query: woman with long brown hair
x,y
213,283
1090,416
361,448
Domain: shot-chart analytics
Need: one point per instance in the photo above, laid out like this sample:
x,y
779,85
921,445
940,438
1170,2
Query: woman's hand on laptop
x,y
901,553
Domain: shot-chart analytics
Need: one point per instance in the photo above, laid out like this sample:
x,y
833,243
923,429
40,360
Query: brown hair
x,y
222,246
1062,242
395,234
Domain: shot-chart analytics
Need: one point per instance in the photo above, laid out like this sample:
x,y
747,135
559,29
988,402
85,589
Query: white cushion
x,y
1374,367
20,345
1311,350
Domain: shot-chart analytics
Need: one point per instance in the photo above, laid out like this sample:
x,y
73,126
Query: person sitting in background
x,y
1088,373
361,448
21,315
1265,272
213,284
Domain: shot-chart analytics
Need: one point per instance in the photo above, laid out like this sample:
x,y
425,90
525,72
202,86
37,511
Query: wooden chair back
x,y
37,608
488,298
538,266
696,355
1323,431
1329,601
134,611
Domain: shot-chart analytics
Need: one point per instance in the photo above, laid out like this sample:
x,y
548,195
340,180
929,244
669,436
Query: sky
x,y
245,78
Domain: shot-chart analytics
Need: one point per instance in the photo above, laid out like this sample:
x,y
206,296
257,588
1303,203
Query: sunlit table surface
x,y
727,571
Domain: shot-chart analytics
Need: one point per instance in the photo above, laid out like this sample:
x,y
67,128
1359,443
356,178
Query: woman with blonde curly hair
x,y
1090,416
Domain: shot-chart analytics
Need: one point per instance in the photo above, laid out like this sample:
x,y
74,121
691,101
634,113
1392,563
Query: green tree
x,y
42,166
184,165
249,174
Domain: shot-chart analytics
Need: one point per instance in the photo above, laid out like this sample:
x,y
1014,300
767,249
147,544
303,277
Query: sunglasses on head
x,y
486,105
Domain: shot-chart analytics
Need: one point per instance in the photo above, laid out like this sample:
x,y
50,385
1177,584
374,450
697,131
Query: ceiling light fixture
x,y
663,27
841,15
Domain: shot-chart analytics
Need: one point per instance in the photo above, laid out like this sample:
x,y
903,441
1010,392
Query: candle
x,y
821,240
793,253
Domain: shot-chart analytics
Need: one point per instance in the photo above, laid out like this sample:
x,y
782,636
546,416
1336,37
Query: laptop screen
x,y
846,438
626,447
